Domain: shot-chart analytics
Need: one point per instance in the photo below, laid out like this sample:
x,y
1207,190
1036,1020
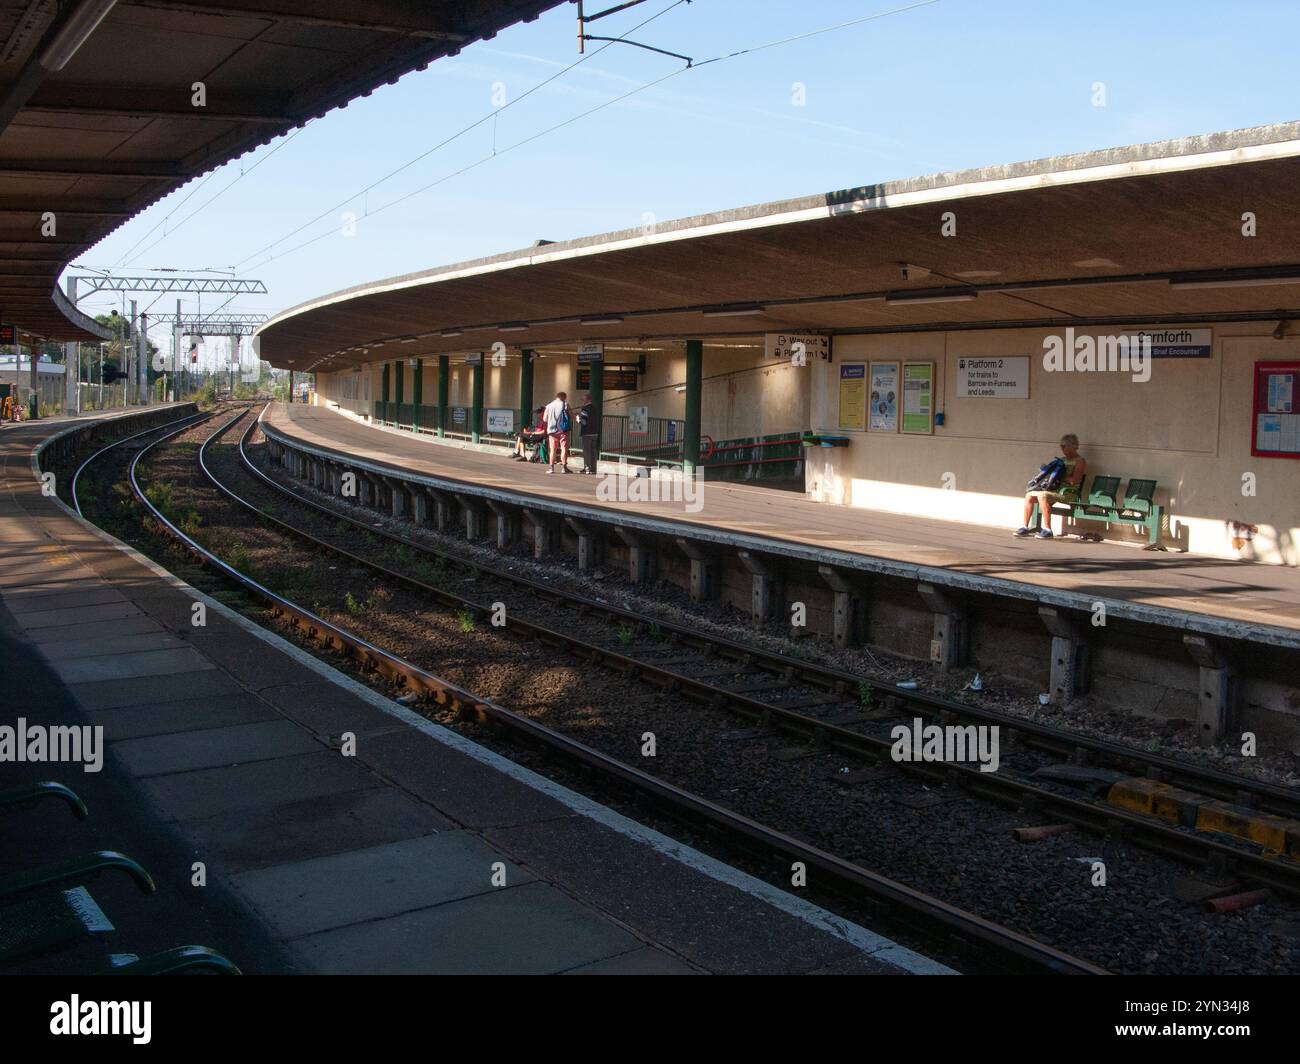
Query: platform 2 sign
x,y
993,378
853,396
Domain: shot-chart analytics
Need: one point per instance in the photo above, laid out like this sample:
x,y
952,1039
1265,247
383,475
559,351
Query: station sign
x,y
786,346
474,358
591,352
993,378
1176,342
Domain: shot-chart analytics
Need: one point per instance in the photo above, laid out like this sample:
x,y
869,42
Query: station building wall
x,y
1189,427
743,394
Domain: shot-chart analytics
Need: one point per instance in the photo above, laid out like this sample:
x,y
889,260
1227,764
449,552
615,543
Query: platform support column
x,y
397,497
444,372
543,532
443,513
640,555
704,570
399,378
419,506
694,388
476,414
1218,688
948,644
1068,675
383,392
525,388
597,393
507,523
766,597
417,394
848,607
589,543
290,384
474,516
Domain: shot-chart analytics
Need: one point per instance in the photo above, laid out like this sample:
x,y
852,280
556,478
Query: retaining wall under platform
x,y
1223,673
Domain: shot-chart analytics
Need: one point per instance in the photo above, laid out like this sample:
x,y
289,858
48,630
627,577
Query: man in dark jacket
x,y
589,432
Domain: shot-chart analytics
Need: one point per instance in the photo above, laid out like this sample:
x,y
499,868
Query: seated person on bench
x,y
534,437
1069,490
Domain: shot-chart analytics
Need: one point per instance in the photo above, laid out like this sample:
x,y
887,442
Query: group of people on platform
x,y
554,423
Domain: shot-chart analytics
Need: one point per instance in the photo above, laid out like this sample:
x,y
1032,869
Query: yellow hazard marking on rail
x,y
1159,800
1272,832
1190,810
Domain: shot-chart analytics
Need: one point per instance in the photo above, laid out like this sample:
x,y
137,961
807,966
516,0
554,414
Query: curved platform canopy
x,y
98,115
1149,233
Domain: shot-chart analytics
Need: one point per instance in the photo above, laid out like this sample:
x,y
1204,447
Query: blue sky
x,y
947,85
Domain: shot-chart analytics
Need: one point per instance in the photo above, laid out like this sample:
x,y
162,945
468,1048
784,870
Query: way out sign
x,y
797,346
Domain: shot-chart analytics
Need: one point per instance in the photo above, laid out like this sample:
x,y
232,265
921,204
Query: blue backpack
x,y
1048,476
562,423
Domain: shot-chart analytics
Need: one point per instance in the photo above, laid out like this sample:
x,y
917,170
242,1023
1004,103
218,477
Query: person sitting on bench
x,y
534,437
1068,489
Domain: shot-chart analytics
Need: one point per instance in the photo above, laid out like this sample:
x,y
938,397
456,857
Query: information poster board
x,y
853,396
993,378
460,418
883,397
500,420
616,377
638,421
1275,425
918,397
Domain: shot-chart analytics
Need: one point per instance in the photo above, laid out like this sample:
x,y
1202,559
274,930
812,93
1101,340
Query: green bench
x,y
1102,503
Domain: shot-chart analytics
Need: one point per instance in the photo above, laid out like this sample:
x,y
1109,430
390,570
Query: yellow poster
x,y
853,396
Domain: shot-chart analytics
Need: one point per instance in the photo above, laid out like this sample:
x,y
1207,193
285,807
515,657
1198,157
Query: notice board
x,y
883,397
1275,420
918,397
853,396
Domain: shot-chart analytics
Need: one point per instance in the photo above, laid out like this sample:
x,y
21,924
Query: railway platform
x,y
1225,596
274,840
1173,636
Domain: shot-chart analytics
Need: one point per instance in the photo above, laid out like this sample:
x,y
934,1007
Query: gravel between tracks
x,y
957,848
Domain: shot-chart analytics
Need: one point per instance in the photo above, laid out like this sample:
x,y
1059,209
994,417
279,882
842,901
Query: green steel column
x,y
383,394
291,386
417,393
399,374
444,373
694,387
526,389
596,390
477,413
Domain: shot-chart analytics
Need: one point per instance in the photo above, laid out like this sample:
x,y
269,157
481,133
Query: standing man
x,y
557,428
589,432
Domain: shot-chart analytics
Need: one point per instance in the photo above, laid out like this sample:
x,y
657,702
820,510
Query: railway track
x,y
978,943
827,709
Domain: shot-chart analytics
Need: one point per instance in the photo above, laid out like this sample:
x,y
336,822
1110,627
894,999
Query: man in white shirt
x,y
558,424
